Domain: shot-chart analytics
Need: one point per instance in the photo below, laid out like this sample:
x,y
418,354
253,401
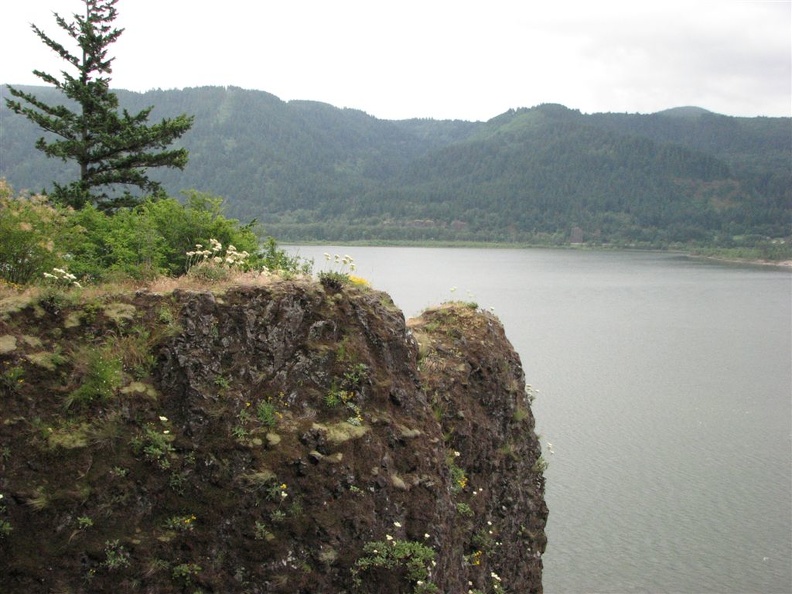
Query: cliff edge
x,y
279,437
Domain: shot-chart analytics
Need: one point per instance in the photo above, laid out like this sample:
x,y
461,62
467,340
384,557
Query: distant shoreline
x,y
781,264
785,264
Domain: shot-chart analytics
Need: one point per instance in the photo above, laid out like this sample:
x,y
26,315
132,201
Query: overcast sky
x,y
442,58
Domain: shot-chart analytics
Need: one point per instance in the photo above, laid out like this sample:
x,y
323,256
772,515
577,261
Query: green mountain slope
x,y
310,171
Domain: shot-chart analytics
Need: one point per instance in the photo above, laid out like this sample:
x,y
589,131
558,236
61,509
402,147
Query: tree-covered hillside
x,y
310,171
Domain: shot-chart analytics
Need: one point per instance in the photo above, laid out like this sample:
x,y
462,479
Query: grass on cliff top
x,y
13,298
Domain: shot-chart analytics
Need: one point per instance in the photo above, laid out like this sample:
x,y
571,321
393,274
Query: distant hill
x,y
311,171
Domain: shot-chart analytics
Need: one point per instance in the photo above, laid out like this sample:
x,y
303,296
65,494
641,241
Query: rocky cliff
x,y
278,437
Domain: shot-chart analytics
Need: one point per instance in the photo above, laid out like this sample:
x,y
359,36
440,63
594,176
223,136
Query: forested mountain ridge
x,y
311,171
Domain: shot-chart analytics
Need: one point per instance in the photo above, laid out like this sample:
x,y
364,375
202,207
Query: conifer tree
x,y
113,149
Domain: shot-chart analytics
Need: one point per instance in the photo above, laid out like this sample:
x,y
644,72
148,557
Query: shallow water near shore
x,y
665,389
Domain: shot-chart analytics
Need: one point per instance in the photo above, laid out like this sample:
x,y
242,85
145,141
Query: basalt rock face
x,y
278,438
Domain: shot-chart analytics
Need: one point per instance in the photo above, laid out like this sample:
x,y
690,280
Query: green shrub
x,y
412,557
150,239
31,230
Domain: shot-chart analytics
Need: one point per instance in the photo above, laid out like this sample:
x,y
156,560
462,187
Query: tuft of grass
x,y
40,501
135,350
267,413
101,375
520,414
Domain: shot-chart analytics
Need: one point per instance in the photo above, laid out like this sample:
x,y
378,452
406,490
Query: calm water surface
x,y
665,388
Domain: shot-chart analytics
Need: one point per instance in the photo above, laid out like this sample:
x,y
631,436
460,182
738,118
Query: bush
x,y
143,242
31,230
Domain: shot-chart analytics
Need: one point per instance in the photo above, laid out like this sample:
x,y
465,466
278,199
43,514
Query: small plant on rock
x,y
215,263
267,413
185,573
181,523
340,275
116,556
413,558
102,376
155,445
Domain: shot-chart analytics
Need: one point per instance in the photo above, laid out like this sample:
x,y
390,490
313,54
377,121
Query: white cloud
x,y
440,58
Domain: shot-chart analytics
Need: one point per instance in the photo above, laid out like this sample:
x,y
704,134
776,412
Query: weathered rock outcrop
x,y
277,438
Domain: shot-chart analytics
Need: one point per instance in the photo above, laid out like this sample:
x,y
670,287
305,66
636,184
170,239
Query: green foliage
x,y
356,375
336,396
127,244
11,378
262,532
31,230
316,173
155,445
151,239
116,555
181,523
276,260
84,522
110,148
463,509
540,465
459,479
185,573
100,378
407,558
197,221
267,413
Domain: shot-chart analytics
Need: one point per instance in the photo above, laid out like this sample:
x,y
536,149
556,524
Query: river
x,y
665,388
